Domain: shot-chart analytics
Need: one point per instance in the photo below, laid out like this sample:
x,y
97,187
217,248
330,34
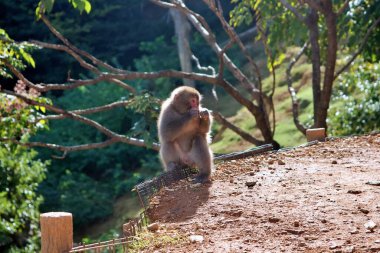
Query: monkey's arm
x,y
173,124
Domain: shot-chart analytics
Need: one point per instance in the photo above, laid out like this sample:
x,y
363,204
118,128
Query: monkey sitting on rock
x,y
184,133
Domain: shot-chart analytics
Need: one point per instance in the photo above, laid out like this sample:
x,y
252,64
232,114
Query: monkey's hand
x,y
204,114
194,113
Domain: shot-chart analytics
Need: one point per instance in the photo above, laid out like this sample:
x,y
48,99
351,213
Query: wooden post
x,y
314,134
56,232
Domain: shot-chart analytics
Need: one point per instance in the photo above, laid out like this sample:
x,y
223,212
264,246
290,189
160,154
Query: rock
x,y
354,231
333,245
370,225
354,191
250,183
375,183
281,162
375,248
196,238
273,219
296,224
349,249
236,213
153,227
365,211
301,244
294,231
334,162
195,185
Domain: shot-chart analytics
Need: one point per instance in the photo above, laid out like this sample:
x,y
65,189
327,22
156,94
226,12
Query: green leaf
x,y
47,5
87,6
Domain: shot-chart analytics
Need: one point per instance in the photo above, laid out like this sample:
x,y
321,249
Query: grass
x,y
154,241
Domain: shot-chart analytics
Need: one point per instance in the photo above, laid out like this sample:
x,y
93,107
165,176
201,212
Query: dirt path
x,y
312,199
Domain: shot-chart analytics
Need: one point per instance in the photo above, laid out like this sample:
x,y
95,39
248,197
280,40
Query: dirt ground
x,y
320,198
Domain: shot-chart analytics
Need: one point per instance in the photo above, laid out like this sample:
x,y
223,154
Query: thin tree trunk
x,y
332,47
312,23
182,30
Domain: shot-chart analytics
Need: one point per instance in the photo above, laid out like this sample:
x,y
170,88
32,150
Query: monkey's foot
x,y
203,179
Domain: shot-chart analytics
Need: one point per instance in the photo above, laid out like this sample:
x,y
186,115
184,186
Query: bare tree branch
x,y
292,92
83,63
246,136
293,10
201,25
65,41
234,36
22,77
89,110
65,149
110,134
69,51
360,49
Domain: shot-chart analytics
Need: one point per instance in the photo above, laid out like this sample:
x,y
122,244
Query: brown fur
x,y
183,130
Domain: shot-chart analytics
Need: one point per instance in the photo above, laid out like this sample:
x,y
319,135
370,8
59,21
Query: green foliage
x,y
148,107
158,54
21,172
89,181
362,15
19,120
19,214
47,6
284,28
15,54
357,99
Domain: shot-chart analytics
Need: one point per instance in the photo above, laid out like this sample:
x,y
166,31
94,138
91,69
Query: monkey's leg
x,y
201,154
169,156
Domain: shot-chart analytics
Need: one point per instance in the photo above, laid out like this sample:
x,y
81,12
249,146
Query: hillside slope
x,y
310,199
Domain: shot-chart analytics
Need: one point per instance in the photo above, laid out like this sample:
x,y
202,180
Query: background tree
x,y
322,25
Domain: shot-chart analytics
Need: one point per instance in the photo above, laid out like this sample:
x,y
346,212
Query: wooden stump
x,y
56,232
314,134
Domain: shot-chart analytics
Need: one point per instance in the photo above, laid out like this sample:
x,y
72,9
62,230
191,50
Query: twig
x,y
77,50
294,11
292,91
110,134
233,36
246,136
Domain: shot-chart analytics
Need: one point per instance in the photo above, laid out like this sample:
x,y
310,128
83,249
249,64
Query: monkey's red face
x,y
186,100
194,103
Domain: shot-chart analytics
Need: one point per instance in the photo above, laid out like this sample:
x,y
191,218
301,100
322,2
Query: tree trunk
x,y
312,23
332,47
182,31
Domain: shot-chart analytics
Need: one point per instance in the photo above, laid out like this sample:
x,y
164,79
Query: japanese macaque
x,y
183,128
